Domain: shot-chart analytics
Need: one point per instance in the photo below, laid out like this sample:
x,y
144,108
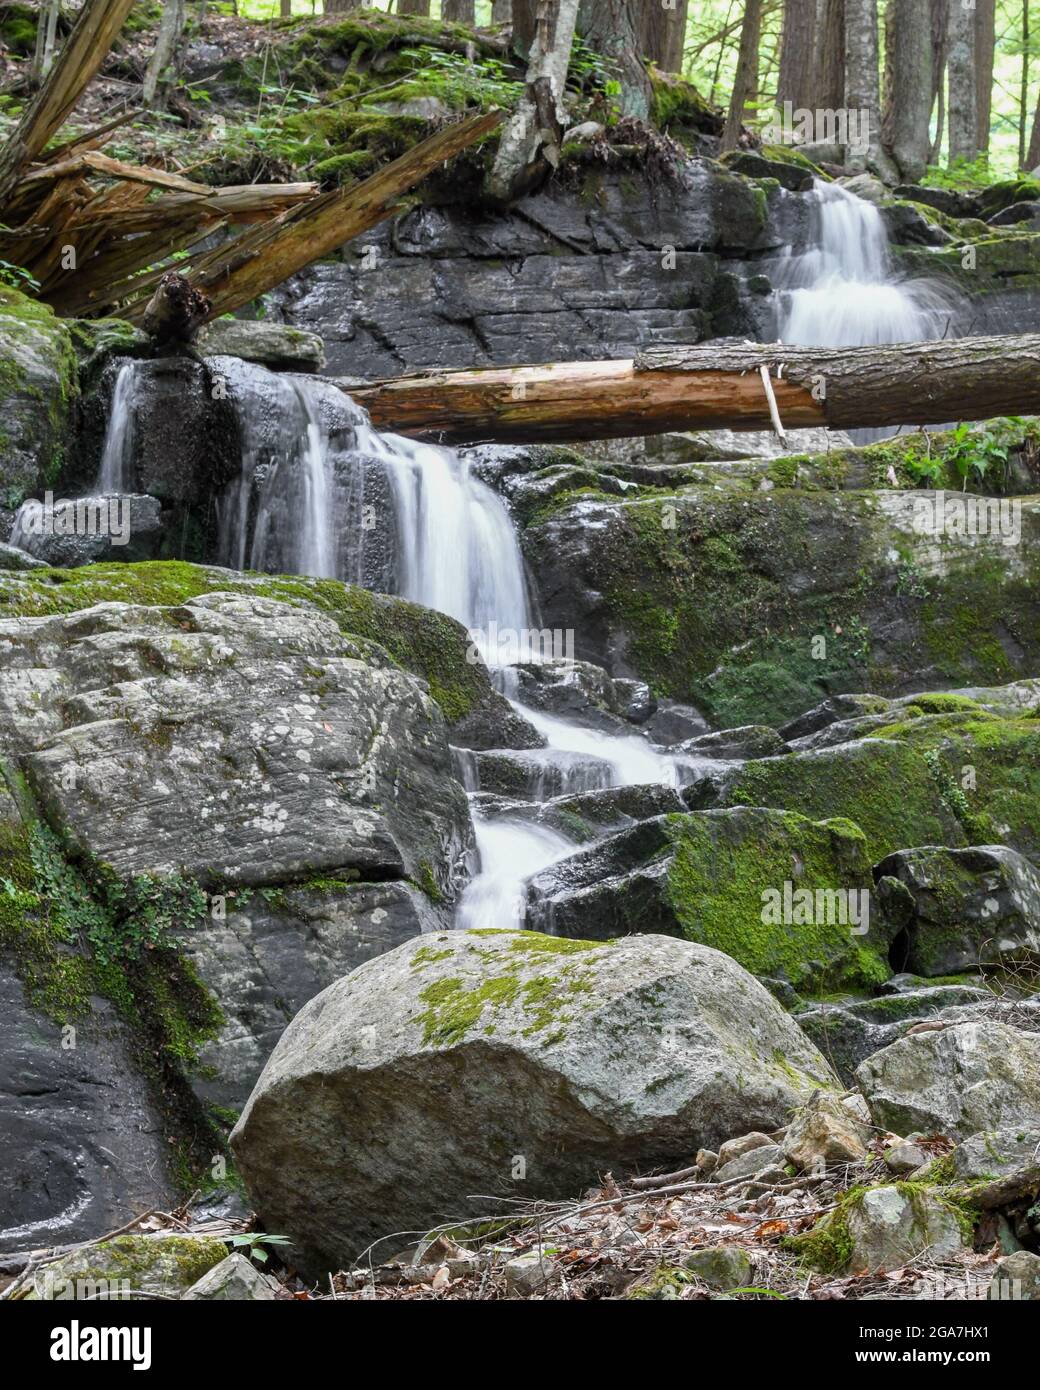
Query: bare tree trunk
x,y
862,95
531,137
462,11
502,12
830,56
525,21
285,8
1023,91
745,81
963,113
905,126
985,41
615,29
664,33
46,39
796,81
171,27
413,7
939,55
341,6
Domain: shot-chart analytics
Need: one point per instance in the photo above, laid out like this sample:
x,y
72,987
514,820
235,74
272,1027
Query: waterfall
x,y
842,292
117,452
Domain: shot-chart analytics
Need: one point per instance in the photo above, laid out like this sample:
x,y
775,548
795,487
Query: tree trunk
x,y
176,311
664,33
413,7
162,65
46,39
525,21
340,6
862,97
830,56
985,41
531,138
1023,90
745,81
1033,153
963,102
81,56
939,10
905,128
796,81
285,8
615,29
502,12
461,11
712,387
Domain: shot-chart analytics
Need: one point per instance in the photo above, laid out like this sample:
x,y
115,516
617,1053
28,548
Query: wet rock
x,y
585,693
717,877
273,345
67,533
674,722
956,1081
961,909
37,391
13,557
488,1017
796,177
754,741
534,774
1016,214
908,226
236,1279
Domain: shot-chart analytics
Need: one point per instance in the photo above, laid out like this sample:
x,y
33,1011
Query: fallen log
x,y
712,386
256,261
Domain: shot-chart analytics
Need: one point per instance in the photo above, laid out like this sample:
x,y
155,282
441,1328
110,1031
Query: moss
x,y
174,1261
678,106
18,29
723,866
828,1247
420,640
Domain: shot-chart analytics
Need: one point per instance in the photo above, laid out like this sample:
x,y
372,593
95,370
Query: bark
x,y
985,41
340,6
1023,90
502,12
745,81
46,39
413,7
531,139
796,80
525,22
162,65
285,8
1033,153
461,11
963,97
82,54
939,10
235,273
862,97
176,311
830,56
712,387
664,33
615,29
905,128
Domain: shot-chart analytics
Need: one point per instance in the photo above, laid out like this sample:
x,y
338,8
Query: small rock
x,y
1017,1277
724,1267
825,1131
587,130
707,1160
905,1157
750,1163
235,1279
275,345
734,1148
528,1274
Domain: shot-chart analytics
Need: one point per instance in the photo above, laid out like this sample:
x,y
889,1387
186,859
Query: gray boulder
x,y
581,691
890,1227
38,387
1016,1278
235,1280
13,557
520,1065
82,531
274,345
163,1265
955,1081
959,909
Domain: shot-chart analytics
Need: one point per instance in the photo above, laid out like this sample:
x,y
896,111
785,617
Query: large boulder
x,y
38,385
955,1081
511,1065
786,897
961,909
159,1266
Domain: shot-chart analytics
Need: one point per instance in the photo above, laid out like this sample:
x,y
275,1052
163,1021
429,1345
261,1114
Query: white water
x,y
117,452
510,853
843,292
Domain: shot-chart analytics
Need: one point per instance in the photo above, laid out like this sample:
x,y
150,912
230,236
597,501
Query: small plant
x,y
17,276
252,1243
975,453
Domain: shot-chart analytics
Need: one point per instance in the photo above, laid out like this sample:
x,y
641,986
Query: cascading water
x,y
843,292
117,452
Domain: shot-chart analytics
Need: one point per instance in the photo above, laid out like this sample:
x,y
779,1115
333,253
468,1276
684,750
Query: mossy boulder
x,y
38,384
559,1059
876,1229
127,1267
728,879
755,608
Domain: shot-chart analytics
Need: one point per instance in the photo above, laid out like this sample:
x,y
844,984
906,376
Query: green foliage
x,y
253,1244
975,452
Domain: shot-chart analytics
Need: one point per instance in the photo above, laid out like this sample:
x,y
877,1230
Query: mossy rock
x,y
127,1267
38,384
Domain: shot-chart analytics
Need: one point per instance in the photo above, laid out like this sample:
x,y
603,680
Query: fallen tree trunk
x,y
255,262
81,56
713,386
